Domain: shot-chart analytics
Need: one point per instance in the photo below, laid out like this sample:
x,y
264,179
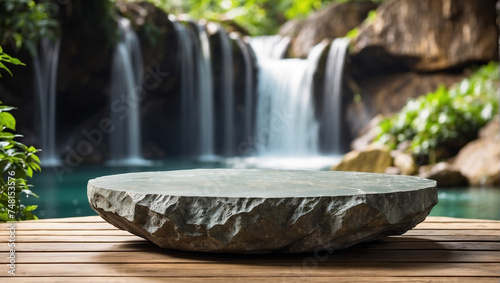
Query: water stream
x,y
45,64
126,86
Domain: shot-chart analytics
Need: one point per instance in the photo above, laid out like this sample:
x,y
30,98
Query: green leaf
x,y
6,108
29,172
6,135
30,207
2,66
7,120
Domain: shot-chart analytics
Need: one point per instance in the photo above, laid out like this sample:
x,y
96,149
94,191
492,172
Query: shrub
x,y
17,162
445,117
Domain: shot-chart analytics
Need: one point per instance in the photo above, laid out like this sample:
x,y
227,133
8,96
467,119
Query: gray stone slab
x,y
260,211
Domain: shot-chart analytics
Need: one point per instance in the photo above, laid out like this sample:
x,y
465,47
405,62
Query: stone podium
x,y
261,211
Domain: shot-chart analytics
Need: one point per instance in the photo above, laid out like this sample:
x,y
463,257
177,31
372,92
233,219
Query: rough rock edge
x,y
129,211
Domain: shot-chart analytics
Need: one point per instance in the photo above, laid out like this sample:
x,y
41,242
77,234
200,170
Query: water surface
x,y
65,195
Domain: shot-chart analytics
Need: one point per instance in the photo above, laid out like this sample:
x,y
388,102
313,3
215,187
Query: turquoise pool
x,y
66,195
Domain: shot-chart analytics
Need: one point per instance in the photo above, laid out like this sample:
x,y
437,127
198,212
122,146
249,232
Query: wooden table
x,y
87,249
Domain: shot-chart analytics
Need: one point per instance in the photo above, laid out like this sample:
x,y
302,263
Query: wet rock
x,y
334,21
374,159
367,135
427,35
405,163
259,211
479,160
444,173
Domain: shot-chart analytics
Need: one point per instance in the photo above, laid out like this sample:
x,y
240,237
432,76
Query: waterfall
x,y
249,88
197,96
227,91
186,50
270,46
286,124
126,85
332,96
206,97
45,66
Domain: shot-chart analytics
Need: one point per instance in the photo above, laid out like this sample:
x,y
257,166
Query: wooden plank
x,y
79,219
116,236
20,226
39,225
97,218
49,226
68,247
168,256
15,279
459,226
114,232
453,233
130,238
145,245
444,238
442,219
117,232
73,239
307,269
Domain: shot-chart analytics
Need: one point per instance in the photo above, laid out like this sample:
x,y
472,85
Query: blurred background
x,y
396,87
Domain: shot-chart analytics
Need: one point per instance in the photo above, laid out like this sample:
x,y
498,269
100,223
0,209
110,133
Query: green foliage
x,y
25,22
258,17
18,162
7,58
445,116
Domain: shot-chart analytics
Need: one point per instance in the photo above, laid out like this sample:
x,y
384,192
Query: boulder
x,y
367,134
479,160
373,159
444,173
405,163
334,21
261,211
427,35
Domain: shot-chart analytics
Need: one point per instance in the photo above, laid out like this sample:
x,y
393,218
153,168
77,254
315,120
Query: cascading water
x,y
227,92
287,134
281,123
197,86
249,88
45,66
186,61
270,46
126,82
332,98
206,98
286,125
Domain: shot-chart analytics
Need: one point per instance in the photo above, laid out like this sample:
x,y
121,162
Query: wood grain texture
x,y
87,249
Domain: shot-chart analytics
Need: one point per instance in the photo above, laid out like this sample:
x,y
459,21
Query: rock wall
x,y
427,36
334,21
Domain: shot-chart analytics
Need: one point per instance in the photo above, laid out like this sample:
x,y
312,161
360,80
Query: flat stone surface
x,y
259,211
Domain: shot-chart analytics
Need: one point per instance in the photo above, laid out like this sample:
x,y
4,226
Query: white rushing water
x,y
45,64
206,97
227,69
287,134
278,117
126,83
270,46
249,89
332,96
186,48
286,124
